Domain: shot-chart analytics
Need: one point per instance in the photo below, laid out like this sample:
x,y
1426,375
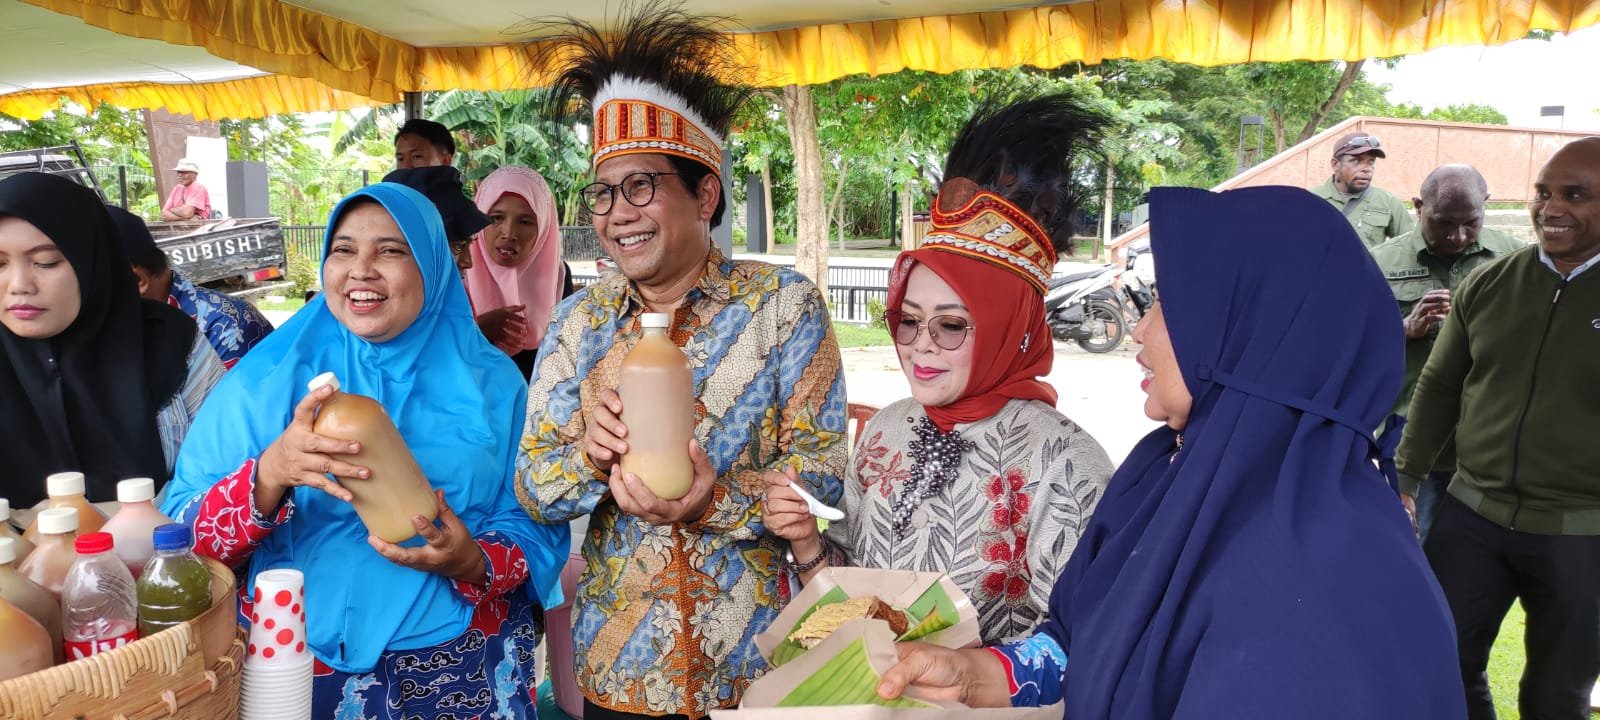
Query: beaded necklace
x,y
935,461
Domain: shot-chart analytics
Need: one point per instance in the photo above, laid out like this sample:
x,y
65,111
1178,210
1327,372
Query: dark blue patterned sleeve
x,y
1036,667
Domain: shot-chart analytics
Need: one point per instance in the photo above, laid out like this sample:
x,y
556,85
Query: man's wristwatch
x,y
807,566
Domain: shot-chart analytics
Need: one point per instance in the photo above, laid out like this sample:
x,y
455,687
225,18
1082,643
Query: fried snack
x,y
828,618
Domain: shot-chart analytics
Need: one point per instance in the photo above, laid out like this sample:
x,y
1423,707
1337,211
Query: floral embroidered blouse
x,y
665,618
1002,529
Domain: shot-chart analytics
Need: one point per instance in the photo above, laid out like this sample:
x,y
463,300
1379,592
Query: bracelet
x,y
808,565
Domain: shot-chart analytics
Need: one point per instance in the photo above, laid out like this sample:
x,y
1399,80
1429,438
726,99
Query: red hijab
x,y
1012,348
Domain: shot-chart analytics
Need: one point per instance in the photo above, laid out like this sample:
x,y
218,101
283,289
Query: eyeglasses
x,y
947,331
1365,141
637,188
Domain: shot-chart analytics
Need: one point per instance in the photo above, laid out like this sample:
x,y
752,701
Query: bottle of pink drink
x,y
98,606
656,385
134,523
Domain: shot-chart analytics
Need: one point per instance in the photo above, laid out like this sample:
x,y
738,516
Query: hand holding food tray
x,y
832,644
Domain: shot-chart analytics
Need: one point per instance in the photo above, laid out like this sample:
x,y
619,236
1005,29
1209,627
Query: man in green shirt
x,y
1514,379
1423,267
1376,214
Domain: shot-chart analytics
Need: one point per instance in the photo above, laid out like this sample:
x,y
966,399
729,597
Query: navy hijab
x,y
1265,569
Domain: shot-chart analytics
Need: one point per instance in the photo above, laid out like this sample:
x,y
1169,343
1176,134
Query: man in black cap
x,y
442,185
233,326
1376,214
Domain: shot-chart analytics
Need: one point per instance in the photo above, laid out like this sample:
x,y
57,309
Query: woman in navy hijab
x,y
1249,559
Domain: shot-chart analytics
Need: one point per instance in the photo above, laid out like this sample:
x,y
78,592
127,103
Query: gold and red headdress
x,y
989,228
656,81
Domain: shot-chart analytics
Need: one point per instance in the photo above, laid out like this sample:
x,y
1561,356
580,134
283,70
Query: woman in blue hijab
x,y
1249,559
445,624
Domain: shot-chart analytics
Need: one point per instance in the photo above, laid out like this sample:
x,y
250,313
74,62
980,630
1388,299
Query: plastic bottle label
x,y
80,649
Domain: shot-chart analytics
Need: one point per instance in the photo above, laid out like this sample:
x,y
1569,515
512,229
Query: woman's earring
x,y
1025,338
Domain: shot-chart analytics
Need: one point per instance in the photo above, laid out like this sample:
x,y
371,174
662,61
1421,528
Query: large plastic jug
x,y
54,554
27,644
134,522
18,590
656,385
22,546
397,490
66,491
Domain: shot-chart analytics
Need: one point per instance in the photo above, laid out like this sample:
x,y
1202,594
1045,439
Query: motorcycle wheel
x,y
1108,327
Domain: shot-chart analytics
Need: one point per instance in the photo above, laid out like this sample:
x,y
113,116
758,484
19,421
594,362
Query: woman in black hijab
x,y
92,378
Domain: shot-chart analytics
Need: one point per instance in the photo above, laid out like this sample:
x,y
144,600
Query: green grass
x,y
851,335
1505,665
288,305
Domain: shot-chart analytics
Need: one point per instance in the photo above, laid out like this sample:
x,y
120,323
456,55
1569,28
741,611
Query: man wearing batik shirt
x,y
233,326
674,592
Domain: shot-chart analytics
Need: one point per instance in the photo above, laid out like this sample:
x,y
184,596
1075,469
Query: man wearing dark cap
x,y
233,326
423,143
442,185
1376,214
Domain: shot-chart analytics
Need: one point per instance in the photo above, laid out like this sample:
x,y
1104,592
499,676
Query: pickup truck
x,y
229,254
236,252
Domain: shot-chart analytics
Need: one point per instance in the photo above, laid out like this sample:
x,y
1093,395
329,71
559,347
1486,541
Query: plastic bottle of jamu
x,y
27,644
656,385
54,554
134,522
397,489
175,586
97,601
66,491
18,590
23,545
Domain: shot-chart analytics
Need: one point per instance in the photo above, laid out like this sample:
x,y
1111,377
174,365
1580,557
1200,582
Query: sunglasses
x,y
947,331
1365,141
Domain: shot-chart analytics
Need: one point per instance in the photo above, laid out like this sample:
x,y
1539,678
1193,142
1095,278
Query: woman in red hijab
x,y
976,474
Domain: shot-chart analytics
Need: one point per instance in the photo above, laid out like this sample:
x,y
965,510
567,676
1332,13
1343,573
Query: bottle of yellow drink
x,y
397,489
657,389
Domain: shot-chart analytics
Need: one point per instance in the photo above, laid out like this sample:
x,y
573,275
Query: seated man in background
x,y
233,326
189,200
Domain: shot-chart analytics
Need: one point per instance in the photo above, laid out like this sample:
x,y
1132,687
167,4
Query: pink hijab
x,y
536,282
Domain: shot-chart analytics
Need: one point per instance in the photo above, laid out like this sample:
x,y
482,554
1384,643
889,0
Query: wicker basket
x,y
190,672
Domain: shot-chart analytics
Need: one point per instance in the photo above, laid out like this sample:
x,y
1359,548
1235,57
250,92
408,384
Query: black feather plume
x,y
1027,151
655,41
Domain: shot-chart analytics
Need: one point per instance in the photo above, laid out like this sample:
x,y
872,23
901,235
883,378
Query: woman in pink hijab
x,y
516,277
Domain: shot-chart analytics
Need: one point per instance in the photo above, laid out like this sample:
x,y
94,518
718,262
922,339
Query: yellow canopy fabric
x,y
318,61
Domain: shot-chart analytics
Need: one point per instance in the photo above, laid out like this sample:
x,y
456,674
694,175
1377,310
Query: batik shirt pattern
x,y
232,325
664,618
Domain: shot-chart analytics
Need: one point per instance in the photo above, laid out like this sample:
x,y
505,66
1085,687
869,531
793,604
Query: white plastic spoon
x,y
817,508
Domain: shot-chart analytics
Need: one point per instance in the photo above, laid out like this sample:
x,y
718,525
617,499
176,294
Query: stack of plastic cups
x,y
277,665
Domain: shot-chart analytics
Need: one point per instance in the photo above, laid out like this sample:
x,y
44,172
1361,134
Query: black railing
x,y
304,240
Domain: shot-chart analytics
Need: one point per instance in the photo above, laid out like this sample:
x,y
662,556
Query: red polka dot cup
x,y
278,620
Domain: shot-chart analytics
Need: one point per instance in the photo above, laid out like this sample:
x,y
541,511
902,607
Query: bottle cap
x,y
5,509
173,536
8,550
655,320
326,378
135,490
64,484
95,542
56,521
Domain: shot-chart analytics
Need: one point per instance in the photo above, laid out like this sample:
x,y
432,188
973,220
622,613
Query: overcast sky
x,y
1517,79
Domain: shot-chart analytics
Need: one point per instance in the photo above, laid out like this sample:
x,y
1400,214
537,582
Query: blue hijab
x,y
1266,569
459,404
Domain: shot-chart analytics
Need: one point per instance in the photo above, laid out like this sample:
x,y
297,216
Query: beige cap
x,y
56,521
186,165
64,484
135,490
326,378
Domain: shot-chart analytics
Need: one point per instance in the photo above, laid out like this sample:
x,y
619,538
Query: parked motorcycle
x,y
1138,282
1084,307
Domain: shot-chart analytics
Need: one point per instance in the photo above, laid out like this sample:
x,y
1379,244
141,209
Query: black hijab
x,y
87,398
